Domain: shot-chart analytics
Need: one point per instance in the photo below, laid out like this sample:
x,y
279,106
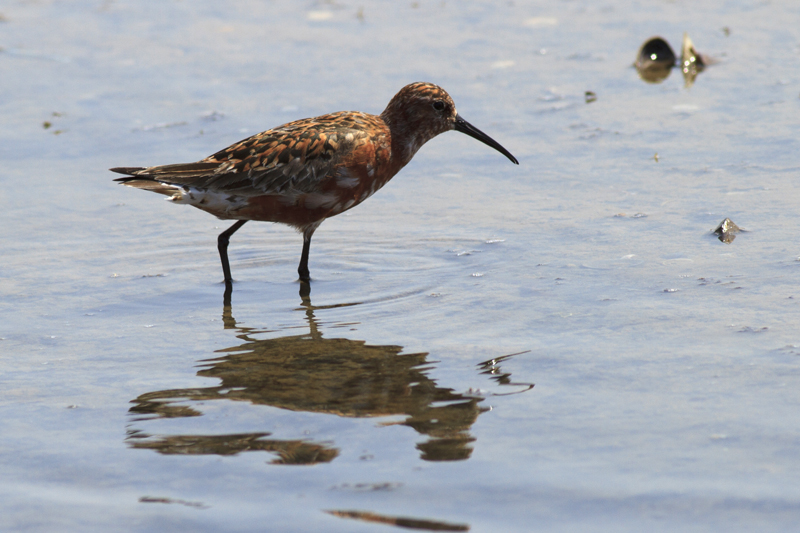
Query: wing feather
x,y
291,159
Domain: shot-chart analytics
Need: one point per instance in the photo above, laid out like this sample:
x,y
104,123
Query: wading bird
x,y
311,169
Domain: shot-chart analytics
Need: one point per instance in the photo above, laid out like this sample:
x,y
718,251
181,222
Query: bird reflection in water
x,y
310,373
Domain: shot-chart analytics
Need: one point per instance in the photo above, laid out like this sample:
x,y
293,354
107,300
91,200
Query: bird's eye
x,y
438,105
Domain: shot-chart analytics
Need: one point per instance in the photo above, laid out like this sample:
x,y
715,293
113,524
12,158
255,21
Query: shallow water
x,y
399,393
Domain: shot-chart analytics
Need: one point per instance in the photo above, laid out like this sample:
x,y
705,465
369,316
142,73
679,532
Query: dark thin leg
x,y
305,275
222,244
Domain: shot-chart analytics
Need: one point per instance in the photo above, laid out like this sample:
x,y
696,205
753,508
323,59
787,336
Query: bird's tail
x,y
143,182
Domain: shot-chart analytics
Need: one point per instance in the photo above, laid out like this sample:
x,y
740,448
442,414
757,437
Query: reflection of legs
x,y
222,245
305,275
305,292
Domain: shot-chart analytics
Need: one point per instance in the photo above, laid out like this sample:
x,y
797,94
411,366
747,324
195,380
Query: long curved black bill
x,y
465,127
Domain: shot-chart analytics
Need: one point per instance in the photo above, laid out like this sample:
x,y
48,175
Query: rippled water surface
x,y
562,345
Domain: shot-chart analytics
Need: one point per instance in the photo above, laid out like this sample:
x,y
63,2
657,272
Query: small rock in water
x,y
655,60
726,231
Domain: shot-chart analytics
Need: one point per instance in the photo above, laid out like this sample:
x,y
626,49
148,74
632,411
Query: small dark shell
x,y
655,60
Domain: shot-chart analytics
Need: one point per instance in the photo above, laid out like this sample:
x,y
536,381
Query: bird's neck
x,y
407,139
